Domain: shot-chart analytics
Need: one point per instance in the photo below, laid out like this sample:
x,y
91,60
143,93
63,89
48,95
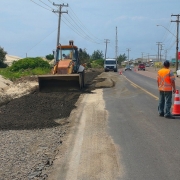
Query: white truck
x,y
110,64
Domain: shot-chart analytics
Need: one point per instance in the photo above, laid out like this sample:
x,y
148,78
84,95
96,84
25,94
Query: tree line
x,y
83,56
2,58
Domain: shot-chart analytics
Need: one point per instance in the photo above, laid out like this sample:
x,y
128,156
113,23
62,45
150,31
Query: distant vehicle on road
x,y
141,67
128,67
178,72
110,65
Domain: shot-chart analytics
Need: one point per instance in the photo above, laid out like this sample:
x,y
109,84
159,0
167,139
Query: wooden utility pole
x,y
59,20
106,41
165,54
159,44
142,57
128,54
177,38
160,52
116,48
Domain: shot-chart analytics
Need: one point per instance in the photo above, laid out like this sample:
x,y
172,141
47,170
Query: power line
x,y
40,41
86,36
50,1
74,15
45,4
40,5
78,32
166,34
171,46
84,25
83,30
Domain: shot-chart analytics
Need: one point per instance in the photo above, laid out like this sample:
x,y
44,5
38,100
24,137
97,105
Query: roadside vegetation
x,y
38,66
2,58
99,63
26,67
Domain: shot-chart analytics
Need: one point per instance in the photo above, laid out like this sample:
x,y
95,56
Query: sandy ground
x,y
10,58
4,82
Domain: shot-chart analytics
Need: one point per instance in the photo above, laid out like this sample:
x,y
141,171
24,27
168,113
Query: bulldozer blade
x,y
59,82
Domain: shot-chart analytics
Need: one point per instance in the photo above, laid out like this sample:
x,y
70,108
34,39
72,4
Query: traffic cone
x,y
176,107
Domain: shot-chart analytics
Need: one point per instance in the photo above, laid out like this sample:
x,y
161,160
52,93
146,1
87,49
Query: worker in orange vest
x,y
166,85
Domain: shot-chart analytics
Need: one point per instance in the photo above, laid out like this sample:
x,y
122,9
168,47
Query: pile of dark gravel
x,y
39,110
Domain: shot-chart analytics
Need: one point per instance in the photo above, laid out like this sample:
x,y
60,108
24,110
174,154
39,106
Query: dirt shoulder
x,y
4,82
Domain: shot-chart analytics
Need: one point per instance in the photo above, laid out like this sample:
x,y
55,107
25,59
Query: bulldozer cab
x,y
68,52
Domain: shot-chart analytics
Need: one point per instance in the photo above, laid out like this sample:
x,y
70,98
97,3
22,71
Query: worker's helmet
x,y
166,63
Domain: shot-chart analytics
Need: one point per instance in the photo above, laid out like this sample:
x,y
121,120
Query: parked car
x,y
127,68
141,67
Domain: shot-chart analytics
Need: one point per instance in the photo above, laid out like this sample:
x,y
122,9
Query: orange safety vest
x,y
164,80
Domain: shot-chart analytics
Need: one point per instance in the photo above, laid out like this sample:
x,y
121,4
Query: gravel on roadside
x,y
32,128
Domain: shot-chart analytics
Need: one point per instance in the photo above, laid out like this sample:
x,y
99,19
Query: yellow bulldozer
x,y
67,71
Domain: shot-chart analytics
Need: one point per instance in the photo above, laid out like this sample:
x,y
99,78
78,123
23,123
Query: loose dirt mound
x,y
36,110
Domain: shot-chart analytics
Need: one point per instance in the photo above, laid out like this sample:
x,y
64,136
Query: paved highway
x,y
148,145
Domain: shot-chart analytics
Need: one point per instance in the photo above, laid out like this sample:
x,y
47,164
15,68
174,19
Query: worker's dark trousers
x,y
165,102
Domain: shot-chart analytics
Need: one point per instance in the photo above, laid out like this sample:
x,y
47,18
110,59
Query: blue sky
x,y
30,26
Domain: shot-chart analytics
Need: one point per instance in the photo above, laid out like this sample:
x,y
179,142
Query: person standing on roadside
x,y
166,85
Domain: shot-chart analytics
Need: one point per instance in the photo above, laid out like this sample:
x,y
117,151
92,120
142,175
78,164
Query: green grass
x,y
26,67
7,73
97,63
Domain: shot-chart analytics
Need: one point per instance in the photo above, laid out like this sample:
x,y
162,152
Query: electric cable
x,y
78,31
74,15
40,5
50,1
45,4
171,46
69,22
83,24
42,40
82,29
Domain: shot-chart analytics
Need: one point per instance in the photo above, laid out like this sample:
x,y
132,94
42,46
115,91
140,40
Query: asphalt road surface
x,y
117,135
148,145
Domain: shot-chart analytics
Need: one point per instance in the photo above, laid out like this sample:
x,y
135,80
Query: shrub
x,y
97,63
50,57
3,65
2,54
29,63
